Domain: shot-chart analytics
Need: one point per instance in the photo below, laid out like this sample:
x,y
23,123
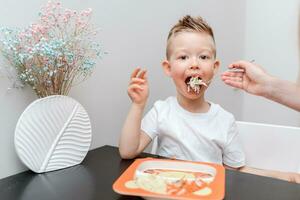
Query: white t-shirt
x,y
207,137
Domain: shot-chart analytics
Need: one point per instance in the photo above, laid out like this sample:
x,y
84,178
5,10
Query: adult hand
x,y
294,177
248,76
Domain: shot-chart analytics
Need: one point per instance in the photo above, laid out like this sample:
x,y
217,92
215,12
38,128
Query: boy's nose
x,y
194,64
194,67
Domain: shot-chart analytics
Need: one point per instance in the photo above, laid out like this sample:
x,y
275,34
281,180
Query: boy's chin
x,y
193,95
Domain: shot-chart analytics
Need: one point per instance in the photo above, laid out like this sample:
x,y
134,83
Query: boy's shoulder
x,y
222,113
160,104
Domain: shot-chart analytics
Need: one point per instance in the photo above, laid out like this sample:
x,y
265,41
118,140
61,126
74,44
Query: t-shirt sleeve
x,y
149,122
233,154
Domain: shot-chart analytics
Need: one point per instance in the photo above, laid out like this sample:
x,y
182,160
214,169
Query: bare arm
x,y
287,176
283,92
255,80
132,140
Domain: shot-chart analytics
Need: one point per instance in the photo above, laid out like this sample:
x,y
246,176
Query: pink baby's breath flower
x,y
22,35
78,22
89,10
68,10
86,12
61,42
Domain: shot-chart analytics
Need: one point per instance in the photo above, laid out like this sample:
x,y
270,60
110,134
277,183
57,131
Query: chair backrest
x,y
267,146
270,146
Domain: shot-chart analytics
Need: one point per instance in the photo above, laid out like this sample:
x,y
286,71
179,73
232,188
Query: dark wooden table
x,y
93,179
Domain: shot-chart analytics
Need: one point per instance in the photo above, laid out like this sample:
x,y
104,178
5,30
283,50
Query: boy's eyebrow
x,y
185,49
210,50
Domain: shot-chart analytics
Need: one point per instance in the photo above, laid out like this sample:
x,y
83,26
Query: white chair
x,y
268,146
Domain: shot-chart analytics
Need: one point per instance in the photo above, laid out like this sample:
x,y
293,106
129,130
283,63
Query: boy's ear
x,y
167,68
216,66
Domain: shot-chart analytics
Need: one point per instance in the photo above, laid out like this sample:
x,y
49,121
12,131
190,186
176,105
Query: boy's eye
x,y
183,57
204,57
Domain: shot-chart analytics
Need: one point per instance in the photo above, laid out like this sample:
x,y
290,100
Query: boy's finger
x,y
135,87
143,74
135,72
140,74
137,80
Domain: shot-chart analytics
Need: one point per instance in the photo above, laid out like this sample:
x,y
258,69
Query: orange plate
x,y
217,185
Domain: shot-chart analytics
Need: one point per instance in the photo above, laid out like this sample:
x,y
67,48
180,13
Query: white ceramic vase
x,y
53,133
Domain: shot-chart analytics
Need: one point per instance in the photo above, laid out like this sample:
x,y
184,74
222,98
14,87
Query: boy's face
x,y
191,54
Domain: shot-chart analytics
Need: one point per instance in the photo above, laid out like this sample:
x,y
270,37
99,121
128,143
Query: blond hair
x,y
190,24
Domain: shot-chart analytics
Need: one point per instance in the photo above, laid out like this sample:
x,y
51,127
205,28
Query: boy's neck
x,y
193,105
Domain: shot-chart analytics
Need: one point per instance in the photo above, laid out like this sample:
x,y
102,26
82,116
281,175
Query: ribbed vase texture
x,y
53,133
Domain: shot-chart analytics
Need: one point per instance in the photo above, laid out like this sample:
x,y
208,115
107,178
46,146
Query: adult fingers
x,y
230,78
296,178
233,74
241,64
234,83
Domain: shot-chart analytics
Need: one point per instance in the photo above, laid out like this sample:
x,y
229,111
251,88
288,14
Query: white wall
x,y
134,36
272,39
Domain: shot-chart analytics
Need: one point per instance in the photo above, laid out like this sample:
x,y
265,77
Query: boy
x,y
187,126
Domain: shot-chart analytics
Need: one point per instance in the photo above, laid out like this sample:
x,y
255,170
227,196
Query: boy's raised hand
x,y
138,89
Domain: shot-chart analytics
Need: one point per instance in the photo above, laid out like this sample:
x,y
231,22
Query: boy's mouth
x,y
187,80
194,83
